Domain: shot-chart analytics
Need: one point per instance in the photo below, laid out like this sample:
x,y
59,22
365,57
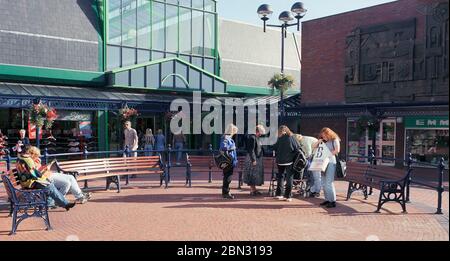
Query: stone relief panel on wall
x,y
388,62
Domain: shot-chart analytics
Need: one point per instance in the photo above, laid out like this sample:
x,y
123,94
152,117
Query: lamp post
x,y
297,12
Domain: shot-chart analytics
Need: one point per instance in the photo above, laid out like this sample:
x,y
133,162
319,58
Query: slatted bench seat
x,y
113,168
391,182
200,165
24,203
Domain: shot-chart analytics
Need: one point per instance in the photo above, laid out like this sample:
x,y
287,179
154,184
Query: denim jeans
x,y
316,185
54,196
178,147
328,186
66,183
148,148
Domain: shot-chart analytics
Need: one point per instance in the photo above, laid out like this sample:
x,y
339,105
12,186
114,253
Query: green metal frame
x,y
20,73
216,57
256,90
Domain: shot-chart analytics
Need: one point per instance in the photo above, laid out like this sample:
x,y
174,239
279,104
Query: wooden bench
x,y
113,168
391,182
200,165
24,203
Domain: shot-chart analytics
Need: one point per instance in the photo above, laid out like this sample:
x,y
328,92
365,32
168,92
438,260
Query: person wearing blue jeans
x,y
332,141
178,144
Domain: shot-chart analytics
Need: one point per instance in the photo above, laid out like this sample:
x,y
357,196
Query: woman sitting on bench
x,y
30,177
64,183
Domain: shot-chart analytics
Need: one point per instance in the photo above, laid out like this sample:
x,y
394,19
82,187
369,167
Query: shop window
x,y
186,3
197,4
138,77
128,56
153,76
143,24
209,65
167,80
113,54
194,79
114,22
182,71
210,34
210,5
158,26
207,83
185,30
197,34
122,78
171,28
428,145
143,56
129,23
219,86
197,61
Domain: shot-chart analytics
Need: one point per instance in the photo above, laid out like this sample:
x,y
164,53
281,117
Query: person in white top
x,y
332,141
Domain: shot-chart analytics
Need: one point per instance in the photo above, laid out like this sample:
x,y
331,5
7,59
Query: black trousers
x,y
284,173
227,177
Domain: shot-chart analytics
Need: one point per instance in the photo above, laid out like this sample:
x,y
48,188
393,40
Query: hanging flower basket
x,y
367,123
128,114
41,115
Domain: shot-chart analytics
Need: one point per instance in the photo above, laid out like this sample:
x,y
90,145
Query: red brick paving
x,y
144,211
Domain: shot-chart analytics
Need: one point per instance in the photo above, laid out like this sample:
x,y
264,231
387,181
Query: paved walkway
x,y
143,211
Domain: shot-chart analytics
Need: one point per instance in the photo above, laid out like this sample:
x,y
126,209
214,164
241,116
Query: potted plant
x,y
282,83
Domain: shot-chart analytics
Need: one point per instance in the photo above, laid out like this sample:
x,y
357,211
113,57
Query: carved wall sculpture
x,y
385,63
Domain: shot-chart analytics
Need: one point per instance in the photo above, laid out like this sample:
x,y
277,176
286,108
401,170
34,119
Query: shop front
x,y
427,138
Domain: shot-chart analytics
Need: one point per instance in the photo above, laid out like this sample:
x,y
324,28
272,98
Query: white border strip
x,y
48,37
260,64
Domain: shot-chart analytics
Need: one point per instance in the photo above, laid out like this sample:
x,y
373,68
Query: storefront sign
x,y
74,116
427,122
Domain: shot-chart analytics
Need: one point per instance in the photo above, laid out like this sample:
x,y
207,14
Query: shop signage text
x,y
427,122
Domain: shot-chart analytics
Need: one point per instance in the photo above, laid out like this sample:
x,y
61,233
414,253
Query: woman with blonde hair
x,y
64,183
227,145
332,141
149,142
286,149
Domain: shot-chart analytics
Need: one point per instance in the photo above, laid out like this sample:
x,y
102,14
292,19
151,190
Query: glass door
x,y
385,142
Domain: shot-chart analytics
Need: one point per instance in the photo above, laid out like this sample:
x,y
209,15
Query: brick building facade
x,y
388,64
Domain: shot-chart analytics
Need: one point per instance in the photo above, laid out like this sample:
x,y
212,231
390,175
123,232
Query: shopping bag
x,y
321,158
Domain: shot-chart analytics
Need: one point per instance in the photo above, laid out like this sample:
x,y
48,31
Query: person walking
x,y
286,149
253,165
332,141
160,141
227,145
306,144
149,142
178,144
131,140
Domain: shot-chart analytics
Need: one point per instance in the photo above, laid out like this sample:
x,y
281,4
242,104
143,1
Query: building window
x,y
360,142
427,139
170,28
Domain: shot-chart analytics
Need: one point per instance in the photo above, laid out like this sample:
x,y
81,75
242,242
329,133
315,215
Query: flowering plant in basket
x,y
128,114
42,115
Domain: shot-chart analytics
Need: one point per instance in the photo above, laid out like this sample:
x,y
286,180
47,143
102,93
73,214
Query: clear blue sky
x,y
245,10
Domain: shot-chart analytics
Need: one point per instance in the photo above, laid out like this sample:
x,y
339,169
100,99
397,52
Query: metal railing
x,y
410,163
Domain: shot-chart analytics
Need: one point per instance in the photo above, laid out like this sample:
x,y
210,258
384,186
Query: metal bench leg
x,y
118,184
11,207
85,185
127,179
240,180
349,190
166,180
46,218
14,222
380,202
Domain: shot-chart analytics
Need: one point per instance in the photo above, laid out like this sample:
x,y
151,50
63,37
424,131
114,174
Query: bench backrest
x,y
10,183
201,161
375,172
90,166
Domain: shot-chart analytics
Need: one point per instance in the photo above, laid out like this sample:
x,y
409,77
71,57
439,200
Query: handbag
x,y
223,161
341,167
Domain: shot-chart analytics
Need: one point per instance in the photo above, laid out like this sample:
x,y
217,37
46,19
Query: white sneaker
x,y
289,199
278,197
282,198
